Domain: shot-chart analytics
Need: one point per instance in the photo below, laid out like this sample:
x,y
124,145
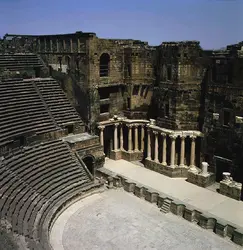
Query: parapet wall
x,y
167,204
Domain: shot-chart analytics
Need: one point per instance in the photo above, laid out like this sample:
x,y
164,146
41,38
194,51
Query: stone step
x,y
166,206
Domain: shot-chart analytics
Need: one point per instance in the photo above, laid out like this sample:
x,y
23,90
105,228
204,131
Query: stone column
x,y
64,45
172,150
136,137
39,45
115,136
45,44
57,45
193,147
164,150
142,137
71,45
78,45
129,138
182,155
148,145
156,158
101,128
121,137
51,49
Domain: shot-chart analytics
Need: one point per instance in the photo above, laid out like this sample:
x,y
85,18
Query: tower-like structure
x,y
179,85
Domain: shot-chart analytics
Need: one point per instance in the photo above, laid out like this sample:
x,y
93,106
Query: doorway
x,y
89,163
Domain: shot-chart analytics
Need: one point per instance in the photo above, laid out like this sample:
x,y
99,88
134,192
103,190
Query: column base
x,y
116,155
172,166
164,163
193,168
132,156
171,171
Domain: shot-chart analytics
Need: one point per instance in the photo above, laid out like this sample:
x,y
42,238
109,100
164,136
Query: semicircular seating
x,y
34,182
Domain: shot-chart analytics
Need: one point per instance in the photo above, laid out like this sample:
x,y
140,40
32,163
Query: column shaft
x,y
142,138
71,45
115,137
57,45
121,137
172,151
182,155
156,158
136,138
164,150
129,138
101,135
51,49
148,145
193,147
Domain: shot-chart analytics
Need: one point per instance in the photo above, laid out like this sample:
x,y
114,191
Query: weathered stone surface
x,y
238,236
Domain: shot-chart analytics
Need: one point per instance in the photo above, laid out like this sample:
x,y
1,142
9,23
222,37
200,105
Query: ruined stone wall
x,y
223,143
179,93
129,66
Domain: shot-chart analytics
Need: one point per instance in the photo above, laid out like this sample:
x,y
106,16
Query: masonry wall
x,y
223,122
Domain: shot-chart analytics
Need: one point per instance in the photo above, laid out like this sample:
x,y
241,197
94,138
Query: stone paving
x,y
116,219
203,199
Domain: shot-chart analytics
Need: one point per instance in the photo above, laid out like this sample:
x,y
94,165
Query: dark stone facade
x,y
179,84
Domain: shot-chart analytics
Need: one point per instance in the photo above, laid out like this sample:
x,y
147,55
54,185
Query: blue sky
x,y
215,23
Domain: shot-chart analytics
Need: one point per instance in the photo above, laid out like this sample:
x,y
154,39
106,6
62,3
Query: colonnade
x,y
172,148
132,137
133,144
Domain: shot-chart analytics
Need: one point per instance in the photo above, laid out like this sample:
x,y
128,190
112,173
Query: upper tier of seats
x,y
33,106
15,62
34,179
57,102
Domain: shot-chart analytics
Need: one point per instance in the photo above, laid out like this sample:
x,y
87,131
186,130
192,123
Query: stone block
x,y
129,186
207,222
177,208
197,215
174,172
230,231
191,214
236,191
116,155
201,180
132,156
122,180
140,191
151,196
238,236
110,181
221,228
117,182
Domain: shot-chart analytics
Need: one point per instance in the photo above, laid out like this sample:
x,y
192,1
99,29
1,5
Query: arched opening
x,y
67,61
104,65
89,163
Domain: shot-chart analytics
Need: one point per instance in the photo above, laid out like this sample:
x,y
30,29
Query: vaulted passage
x,y
89,162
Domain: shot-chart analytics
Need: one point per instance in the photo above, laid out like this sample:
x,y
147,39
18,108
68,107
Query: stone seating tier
x,y
33,106
14,62
32,178
56,100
